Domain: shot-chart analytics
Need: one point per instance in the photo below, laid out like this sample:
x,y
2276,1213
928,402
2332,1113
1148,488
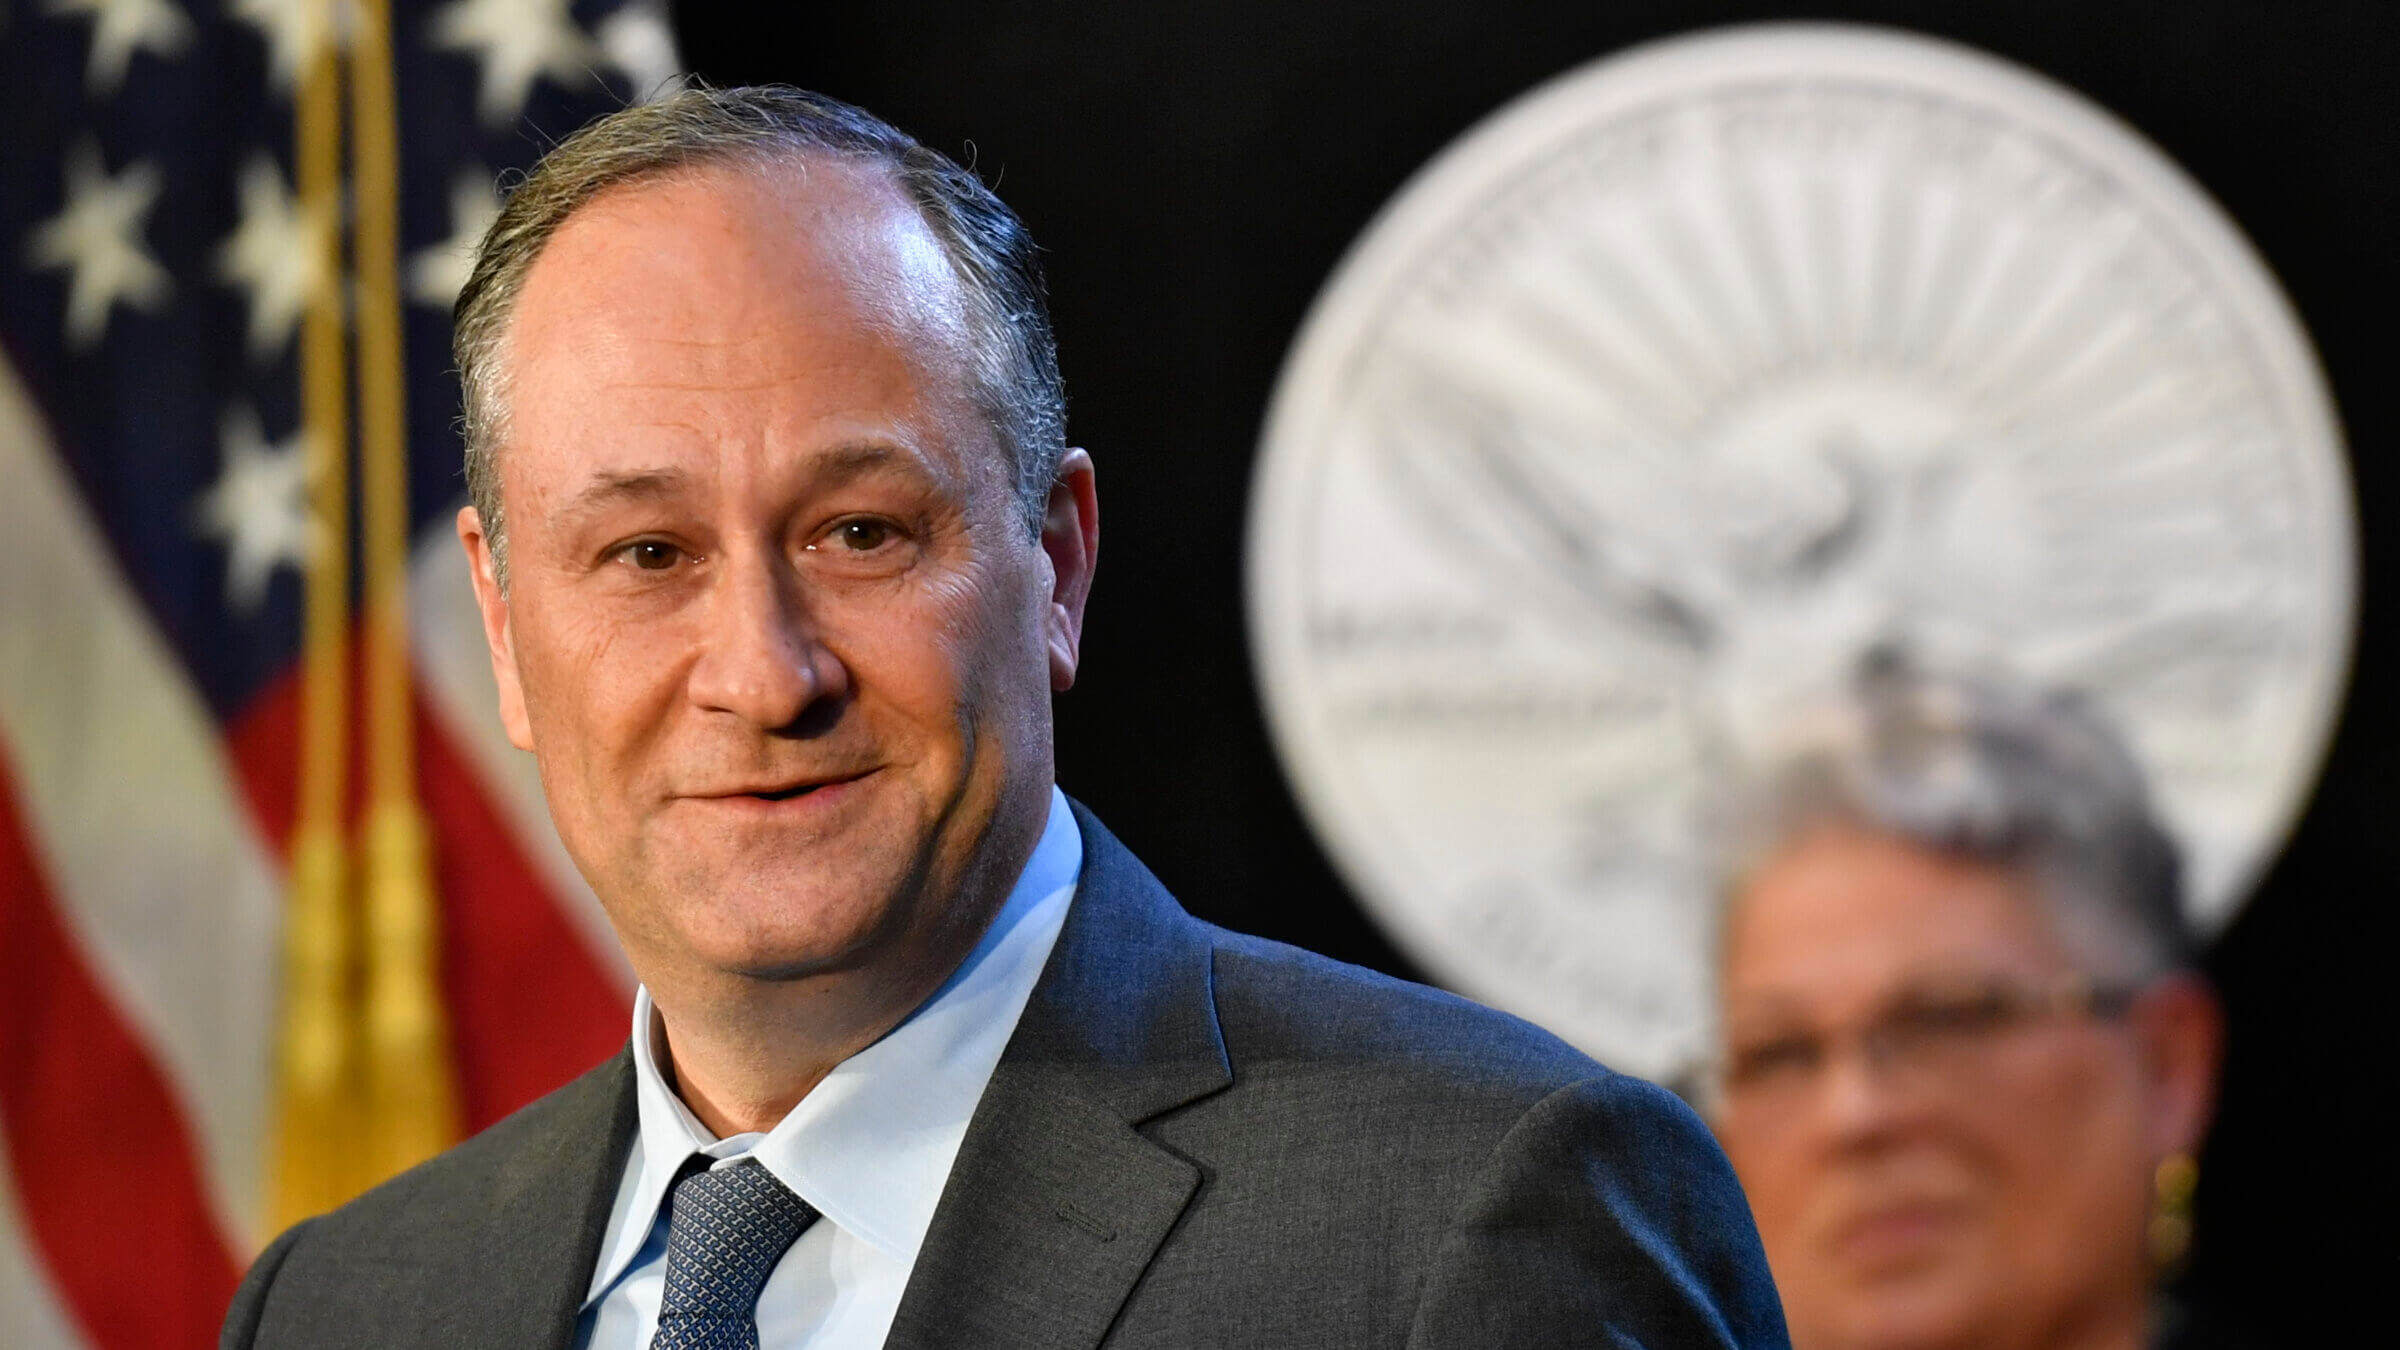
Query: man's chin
x,y
790,929
786,952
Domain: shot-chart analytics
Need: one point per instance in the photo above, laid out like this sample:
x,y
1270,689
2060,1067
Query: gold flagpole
x,y
411,1107
315,1061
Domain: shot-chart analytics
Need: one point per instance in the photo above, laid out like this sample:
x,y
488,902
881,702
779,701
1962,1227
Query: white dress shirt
x,y
870,1146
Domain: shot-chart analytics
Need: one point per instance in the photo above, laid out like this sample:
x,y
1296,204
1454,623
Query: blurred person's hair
x,y
2036,782
1014,375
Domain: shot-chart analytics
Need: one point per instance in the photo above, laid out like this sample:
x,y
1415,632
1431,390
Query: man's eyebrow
x,y
855,459
610,487
835,464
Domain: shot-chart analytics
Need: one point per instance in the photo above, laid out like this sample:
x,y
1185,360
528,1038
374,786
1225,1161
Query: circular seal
x,y
1668,391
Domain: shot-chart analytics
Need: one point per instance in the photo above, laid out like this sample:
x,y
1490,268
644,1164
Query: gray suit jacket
x,y
1194,1139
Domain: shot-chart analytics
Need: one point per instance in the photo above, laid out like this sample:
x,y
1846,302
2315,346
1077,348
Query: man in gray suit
x,y
781,556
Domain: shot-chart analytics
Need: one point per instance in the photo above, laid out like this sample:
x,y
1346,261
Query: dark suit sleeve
x,y
1606,1217
250,1301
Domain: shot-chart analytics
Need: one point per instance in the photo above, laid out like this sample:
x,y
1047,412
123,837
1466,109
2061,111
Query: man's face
x,y
1925,1171
776,631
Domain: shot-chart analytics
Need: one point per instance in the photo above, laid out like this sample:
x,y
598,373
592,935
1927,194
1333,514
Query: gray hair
x,y
1014,379
2036,782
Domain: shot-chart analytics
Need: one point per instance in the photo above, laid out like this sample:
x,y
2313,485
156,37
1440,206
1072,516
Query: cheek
x,y
974,641
595,692
1774,1173
2066,1097
1784,1186
2069,1137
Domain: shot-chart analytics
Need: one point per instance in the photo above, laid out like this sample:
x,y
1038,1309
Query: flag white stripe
x,y
154,861
31,1317
447,633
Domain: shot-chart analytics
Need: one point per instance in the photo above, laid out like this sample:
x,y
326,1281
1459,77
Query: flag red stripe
x,y
106,1175
530,1007
263,742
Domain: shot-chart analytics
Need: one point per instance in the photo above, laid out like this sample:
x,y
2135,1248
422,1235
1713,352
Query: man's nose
x,y
763,658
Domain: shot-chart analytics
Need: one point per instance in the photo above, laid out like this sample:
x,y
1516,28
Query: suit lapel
x,y
517,1275
1057,1202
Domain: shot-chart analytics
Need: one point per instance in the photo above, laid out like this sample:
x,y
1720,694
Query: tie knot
x,y
727,1229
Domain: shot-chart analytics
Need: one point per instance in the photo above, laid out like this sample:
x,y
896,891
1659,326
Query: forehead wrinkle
x,y
700,385
839,463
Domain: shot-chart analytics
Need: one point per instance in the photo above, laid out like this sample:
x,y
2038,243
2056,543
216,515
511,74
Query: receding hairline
x,y
777,172
925,310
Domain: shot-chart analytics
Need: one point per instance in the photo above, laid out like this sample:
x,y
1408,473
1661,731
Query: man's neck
x,y
743,1068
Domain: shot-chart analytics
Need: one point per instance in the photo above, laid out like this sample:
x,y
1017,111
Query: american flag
x,y
163,248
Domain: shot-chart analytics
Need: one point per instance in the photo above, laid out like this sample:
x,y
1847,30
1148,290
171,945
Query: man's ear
x,y
498,636
1071,538
2182,1029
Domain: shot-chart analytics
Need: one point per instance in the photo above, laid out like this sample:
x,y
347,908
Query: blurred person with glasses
x,y
1966,1059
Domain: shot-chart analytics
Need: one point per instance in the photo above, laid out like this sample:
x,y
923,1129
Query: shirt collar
x,y
871,1145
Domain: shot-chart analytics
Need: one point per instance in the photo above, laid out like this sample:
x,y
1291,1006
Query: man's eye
x,y
651,555
860,536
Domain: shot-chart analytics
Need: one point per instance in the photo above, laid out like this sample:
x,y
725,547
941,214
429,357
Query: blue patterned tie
x,y
728,1226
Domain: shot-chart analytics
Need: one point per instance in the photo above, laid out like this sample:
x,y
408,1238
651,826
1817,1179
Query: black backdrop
x,y
1195,170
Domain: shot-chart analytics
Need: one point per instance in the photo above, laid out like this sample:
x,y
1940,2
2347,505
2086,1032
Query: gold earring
x,y
2178,1177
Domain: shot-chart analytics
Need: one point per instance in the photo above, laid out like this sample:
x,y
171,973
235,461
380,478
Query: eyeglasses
x,y
1935,1034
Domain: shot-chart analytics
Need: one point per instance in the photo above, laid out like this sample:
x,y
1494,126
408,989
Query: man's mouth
x,y
787,791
